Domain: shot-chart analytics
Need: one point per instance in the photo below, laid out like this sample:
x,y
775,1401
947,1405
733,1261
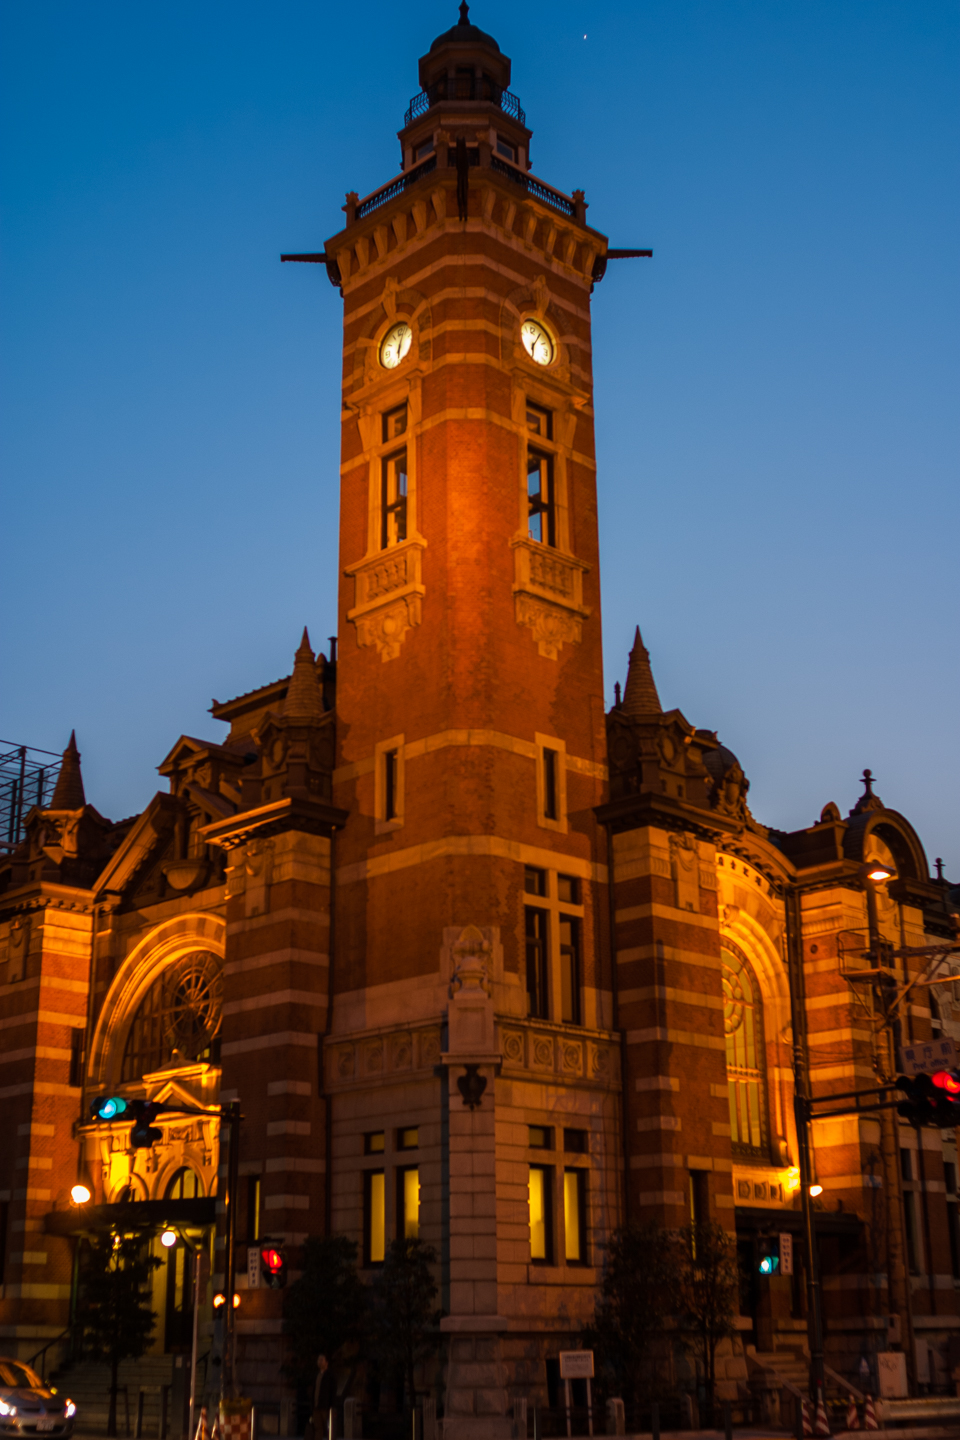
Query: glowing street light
x,y
168,1238
79,1194
816,1189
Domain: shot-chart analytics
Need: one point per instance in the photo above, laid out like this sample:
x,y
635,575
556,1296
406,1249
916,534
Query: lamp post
x,y
169,1239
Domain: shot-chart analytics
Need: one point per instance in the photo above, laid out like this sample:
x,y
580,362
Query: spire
x,y
304,700
868,800
68,793
464,12
640,696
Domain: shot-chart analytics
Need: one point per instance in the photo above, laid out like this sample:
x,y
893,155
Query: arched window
x,y
743,1030
184,1185
178,1019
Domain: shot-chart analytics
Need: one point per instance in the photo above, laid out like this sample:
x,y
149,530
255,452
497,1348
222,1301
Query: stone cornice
x,y
314,817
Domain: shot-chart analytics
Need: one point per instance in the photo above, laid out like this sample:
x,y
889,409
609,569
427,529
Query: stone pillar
x,y
477,1405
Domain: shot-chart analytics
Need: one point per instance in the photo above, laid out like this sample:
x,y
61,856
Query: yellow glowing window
x,y
743,1030
410,1203
374,1143
408,1139
572,1215
376,1217
539,1213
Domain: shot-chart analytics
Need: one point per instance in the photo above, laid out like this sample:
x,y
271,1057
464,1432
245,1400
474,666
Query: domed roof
x,y
463,33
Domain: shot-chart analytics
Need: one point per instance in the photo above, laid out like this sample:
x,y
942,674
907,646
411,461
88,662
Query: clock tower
x,y
471,988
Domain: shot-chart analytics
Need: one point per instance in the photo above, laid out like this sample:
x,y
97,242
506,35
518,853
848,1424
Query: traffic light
x,y
273,1267
931,1099
143,1134
769,1263
108,1107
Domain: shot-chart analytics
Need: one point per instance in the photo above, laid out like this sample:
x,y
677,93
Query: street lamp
x,y
168,1239
80,1195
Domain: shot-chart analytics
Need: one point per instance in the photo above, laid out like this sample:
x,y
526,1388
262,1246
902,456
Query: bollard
x,y
727,1420
655,1421
616,1419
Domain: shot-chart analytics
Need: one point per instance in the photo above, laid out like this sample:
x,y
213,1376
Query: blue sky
x,y
776,391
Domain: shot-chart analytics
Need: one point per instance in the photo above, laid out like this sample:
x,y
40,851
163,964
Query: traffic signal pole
x,y
228,1379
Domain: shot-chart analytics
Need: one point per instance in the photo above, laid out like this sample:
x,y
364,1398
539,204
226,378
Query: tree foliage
x,y
327,1307
405,1320
707,1282
633,1303
116,1316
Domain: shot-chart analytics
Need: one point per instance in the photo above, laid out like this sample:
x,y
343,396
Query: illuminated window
x,y
374,1217
408,1203
253,1208
536,924
541,1238
540,1137
573,1216
743,1030
569,970
178,1018
393,499
408,1139
184,1185
374,1143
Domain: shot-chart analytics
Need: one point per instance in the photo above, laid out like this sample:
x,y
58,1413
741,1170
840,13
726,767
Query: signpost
x,y
786,1254
577,1365
928,1059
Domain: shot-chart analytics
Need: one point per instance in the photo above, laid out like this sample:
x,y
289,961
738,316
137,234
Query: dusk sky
x,y
776,390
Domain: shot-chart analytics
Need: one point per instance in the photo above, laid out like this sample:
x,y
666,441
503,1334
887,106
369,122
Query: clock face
x,y
536,342
395,345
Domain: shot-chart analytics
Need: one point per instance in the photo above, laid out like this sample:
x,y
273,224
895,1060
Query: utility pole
x,y
228,1379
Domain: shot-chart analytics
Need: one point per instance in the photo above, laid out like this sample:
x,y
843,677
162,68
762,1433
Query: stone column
x,y
476,1400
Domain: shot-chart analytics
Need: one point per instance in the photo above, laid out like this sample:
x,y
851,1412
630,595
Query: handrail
x,y
858,1395
466,88
533,186
782,1380
43,1351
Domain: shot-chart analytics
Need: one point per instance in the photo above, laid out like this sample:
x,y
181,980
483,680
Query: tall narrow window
x,y
253,1208
393,499
569,970
541,1237
743,1030
539,421
390,785
953,1217
541,523
910,1226
76,1057
4,1213
375,1217
550,788
573,1216
537,961
394,421
408,1203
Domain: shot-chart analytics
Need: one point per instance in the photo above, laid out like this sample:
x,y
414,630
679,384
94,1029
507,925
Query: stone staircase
x,y
88,1386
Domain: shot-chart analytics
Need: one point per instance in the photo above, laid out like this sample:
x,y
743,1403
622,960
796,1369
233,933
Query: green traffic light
x,y
108,1107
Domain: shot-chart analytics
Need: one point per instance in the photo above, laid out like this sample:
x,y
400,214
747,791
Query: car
x,y
28,1406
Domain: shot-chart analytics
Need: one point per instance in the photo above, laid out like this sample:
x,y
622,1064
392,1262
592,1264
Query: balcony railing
x,y
554,198
396,187
466,87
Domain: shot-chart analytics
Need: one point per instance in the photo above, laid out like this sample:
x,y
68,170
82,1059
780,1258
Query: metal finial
x,y
939,864
464,12
616,695
868,779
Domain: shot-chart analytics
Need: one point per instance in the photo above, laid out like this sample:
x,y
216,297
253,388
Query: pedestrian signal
x,y
931,1099
273,1267
143,1134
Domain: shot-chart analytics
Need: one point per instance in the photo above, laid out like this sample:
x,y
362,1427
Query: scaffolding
x,y
27,778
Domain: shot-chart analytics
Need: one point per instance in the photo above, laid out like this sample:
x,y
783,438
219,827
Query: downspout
x,y
615,992
327,1028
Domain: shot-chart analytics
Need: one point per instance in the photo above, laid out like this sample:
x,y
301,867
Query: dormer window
x,y
508,151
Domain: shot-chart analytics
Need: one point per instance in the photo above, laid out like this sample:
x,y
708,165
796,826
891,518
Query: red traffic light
x,y
947,1080
272,1259
273,1267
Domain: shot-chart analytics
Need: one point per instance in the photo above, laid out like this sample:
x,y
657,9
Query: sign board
x,y
892,1374
927,1059
576,1364
786,1254
253,1267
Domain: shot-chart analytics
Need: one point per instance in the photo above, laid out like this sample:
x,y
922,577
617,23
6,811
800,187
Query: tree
x,y
632,1304
405,1322
707,1282
326,1307
116,1317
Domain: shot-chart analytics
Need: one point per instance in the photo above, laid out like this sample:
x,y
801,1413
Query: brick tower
x,y
470,1005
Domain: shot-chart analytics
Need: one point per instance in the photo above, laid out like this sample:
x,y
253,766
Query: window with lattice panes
x,y
178,1018
743,1032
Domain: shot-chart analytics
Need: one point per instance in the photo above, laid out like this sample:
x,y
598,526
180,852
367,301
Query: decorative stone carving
x,y
543,1053
389,597
548,595
470,1021
471,960
570,1057
513,1047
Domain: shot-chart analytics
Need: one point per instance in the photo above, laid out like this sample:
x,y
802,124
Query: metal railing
x,y
466,87
27,778
396,187
554,198
41,1354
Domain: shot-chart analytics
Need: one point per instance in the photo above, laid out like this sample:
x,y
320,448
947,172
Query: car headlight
x,y
69,1409
6,1408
